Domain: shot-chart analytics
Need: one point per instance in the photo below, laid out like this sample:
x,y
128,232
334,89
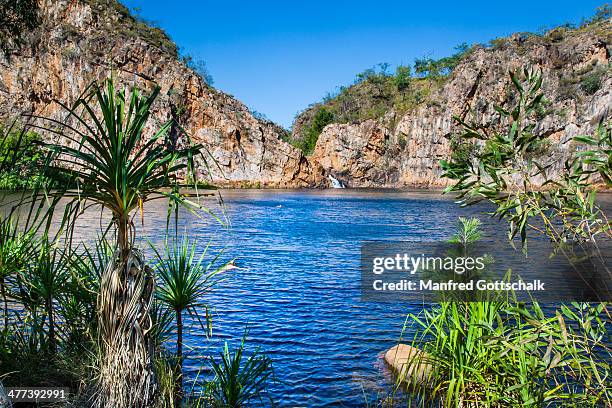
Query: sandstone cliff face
x,y
404,150
76,42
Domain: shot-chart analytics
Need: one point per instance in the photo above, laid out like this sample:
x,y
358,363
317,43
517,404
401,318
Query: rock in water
x,y
411,364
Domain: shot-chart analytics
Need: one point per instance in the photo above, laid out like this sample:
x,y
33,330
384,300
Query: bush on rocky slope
x,y
375,92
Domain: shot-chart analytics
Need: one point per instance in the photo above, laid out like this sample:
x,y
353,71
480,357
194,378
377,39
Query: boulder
x,y
411,364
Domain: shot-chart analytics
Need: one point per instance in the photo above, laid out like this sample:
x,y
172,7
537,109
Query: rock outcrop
x,y
78,41
412,365
403,150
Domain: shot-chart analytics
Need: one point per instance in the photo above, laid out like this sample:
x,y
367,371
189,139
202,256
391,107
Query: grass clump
x,y
592,81
239,380
492,351
502,354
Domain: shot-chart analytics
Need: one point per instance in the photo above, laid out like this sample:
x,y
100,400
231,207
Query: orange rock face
x,y
78,42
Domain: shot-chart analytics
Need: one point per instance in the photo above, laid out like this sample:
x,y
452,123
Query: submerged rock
x,y
411,364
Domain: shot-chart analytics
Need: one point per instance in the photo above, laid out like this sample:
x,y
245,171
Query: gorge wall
x,y
402,150
78,41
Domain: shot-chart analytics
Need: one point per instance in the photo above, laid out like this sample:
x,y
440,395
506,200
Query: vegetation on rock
x,y
376,92
21,149
17,17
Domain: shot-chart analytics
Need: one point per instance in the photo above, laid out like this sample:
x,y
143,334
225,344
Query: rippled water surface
x,y
297,285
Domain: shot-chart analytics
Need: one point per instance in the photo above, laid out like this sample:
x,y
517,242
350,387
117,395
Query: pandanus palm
x,y
107,150
185,279
45,281
14,250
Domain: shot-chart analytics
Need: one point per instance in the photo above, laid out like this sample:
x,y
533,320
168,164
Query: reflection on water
x,y
297,286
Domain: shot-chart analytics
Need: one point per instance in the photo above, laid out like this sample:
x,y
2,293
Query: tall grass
x,y
501,353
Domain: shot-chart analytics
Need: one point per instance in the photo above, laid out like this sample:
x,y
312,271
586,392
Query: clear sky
x,y
279,56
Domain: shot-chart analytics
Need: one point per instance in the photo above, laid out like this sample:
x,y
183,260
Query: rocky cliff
x,y
403,149
74,42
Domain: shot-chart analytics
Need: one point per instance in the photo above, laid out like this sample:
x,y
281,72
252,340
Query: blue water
x,y
297,286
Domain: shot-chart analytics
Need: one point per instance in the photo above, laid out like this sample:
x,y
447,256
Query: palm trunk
x,y
179,355
122,237
51,339
126,292
5,301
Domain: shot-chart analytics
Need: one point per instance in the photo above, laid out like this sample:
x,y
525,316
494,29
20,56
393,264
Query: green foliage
x,y
504,164
402,78
21,148
500,353
115,164
185,280
118,166
67,308
591,81
239,380
17,17
37,345
322,118
402,141
184,277
468,233
433,69
374,92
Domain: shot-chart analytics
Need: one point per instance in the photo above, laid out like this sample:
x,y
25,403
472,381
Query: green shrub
x,y
402,78
21,149
591,82
402,141
322,118
239,380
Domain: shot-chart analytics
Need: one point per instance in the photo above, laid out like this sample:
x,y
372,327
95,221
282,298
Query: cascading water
x,y
335,183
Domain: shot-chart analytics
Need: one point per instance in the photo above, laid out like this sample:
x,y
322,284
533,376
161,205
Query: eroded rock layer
x,y
78,41
404,150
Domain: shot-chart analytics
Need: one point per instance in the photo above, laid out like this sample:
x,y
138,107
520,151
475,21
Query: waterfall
x,y
335,183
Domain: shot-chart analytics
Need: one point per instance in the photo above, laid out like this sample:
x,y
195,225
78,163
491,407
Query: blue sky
x,y
279,56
